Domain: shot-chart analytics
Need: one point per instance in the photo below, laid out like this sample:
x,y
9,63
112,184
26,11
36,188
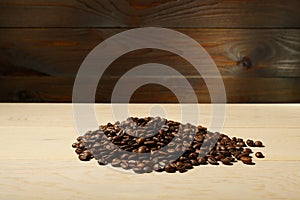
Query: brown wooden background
x,y
255,44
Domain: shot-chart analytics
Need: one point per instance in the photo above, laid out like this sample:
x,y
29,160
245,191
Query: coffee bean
x,y
259,155
78,151
258,144
202,161
84,157
149,143
142,149
194,162
250,143
116,162
246,160
212,161
226,161
170,169
188,166
158,168
102,162
124,165
193,155
74,145
140,141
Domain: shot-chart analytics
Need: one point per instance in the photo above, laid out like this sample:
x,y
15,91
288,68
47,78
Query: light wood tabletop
x,y
37,161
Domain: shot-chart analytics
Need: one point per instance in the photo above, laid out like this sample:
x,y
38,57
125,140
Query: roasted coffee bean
x,y
116,162
194,162
259,155
124,165
248,150
149,143
102,162
226,161
258,144
140,141
250,143
212,161
188,166
142,149
78,151
193,155
202,161
74,145
84,157
182,169
158,168
170,169
81,145
246,160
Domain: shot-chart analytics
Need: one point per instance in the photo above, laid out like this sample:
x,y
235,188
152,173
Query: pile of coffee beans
x,y
156,144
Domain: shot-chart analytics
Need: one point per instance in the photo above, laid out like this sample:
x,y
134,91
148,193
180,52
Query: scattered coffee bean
x,y
250,143
132,144
259,155
258,144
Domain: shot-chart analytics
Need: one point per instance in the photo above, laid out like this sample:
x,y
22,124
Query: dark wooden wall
x,y
255,44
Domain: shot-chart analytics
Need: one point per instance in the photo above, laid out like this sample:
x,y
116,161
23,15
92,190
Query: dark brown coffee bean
x,y
102,162
138,170
157,168
78,151
182,170
193,155
147,169
74,145
149,143
140,141
194,162
124,165
212,161
258,144
202,161
170,169
142,149
250,143
188,166
246,160
226,161
248,150
84,157
116,162
81,145
259,155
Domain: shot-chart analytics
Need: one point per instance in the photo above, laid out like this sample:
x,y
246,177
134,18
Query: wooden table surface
x,y
37,161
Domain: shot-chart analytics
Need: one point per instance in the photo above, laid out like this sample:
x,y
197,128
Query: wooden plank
x,y
60,52
37,161
265,116
51,89
133,13
60,179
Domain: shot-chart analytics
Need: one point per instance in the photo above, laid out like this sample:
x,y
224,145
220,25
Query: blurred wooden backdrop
x,y
255,44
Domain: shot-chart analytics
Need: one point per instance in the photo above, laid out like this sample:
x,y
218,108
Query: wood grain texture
x,y
37,160
51,89
134,13
60,52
